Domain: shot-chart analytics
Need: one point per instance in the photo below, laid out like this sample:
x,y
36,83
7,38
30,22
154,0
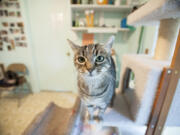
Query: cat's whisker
x,y
110,76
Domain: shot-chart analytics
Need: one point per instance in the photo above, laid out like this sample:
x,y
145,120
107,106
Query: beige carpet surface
x,y
14,119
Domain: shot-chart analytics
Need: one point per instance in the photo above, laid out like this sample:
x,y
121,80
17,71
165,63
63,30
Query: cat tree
x,y
148,69
133,106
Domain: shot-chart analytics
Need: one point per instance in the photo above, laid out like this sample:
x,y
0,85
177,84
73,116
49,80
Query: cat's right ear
x,y
73,46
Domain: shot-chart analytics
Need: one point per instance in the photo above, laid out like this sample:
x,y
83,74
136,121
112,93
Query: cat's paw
x,y
89,117
98,119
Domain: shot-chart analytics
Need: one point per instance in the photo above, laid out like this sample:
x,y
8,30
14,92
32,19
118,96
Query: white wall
x,y
150,38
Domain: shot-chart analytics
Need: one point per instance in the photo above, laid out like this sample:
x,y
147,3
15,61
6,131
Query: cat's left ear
x,y
73,45
109,44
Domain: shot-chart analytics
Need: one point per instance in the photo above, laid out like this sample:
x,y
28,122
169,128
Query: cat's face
x,y
92,60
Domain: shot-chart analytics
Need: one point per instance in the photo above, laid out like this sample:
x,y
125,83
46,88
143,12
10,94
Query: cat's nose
x,y
90,70
90,67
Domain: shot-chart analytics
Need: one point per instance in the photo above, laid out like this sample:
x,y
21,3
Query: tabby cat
x,y
96,76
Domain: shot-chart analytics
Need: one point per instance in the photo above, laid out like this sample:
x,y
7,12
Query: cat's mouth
x,y
93,74
90,74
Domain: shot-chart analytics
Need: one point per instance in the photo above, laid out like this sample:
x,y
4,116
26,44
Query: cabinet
x,y
106,18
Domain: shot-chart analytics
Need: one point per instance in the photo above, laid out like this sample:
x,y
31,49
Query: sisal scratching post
x,y
167,36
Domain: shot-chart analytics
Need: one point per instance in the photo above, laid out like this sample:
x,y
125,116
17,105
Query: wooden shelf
x,y
123,8
98,29
153,11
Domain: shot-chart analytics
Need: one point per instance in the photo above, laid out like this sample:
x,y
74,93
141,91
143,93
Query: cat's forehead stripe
x,y
91,50
96,52
83,52
94,48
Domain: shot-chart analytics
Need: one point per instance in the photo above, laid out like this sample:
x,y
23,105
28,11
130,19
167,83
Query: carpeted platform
x,y
147,73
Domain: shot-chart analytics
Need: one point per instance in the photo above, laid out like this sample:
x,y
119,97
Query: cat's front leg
x,y
90,109
101,111
83,112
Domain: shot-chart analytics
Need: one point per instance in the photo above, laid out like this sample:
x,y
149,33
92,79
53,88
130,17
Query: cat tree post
x,y
167,36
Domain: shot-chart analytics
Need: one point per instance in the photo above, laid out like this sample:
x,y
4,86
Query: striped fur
x,y
96,80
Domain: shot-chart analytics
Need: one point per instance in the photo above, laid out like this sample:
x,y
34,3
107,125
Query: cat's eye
x,y
81,59
100,59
